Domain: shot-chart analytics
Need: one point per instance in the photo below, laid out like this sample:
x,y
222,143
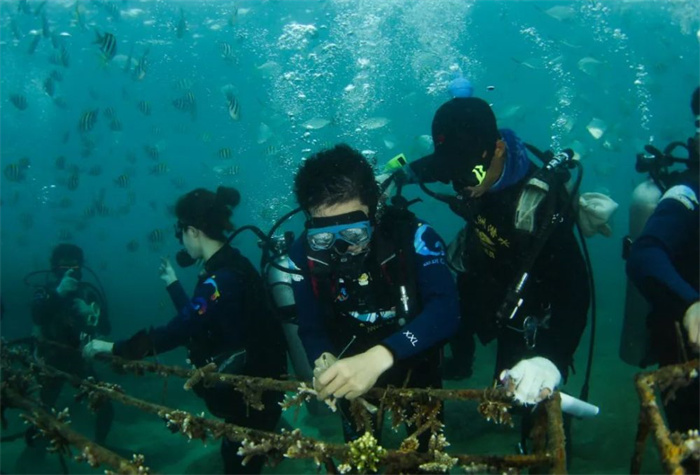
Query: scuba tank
x,y
279,283
277,275
634,338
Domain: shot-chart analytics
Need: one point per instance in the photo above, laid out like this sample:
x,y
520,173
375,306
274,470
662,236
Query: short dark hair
x,y
66,252
336,175
208,211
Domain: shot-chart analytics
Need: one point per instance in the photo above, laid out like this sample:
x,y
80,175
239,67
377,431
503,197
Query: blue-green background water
x,y
369,73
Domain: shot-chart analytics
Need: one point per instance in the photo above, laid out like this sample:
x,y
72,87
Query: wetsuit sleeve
x,y
312,330
669,233
439,317
191,320
178,295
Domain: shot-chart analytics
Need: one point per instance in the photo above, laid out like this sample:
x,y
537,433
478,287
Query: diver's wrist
x,y
381,357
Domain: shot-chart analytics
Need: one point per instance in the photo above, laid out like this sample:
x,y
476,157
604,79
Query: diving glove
x,y
531,380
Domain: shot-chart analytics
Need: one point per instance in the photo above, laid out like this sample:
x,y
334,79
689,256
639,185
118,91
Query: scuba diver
x,y
70,312
375,298
227,321
522,278
663,263
664,171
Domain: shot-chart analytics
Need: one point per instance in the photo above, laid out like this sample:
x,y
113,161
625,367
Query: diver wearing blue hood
x,y
491,173
663,263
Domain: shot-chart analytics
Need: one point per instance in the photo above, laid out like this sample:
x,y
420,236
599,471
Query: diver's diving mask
x,y
182,257
180,228
61,270
351,229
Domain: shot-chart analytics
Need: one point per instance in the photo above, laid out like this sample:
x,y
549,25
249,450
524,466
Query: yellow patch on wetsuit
x,y
479,173
363,279
487,244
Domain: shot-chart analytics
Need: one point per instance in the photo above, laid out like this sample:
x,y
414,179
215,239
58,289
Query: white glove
x,y
531,380
594,214
97,346
68,284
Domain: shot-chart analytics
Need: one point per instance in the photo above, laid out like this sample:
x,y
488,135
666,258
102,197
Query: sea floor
x,y
603,444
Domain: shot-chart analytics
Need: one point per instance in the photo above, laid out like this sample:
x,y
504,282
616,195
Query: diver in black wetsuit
x,y
493,177
374,291
227,321
69,311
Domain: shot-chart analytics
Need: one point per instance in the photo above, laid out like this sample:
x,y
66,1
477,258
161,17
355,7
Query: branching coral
x,y
365,454
493,409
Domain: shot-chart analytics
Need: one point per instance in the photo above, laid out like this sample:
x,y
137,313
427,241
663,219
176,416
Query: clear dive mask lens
x,y
354,234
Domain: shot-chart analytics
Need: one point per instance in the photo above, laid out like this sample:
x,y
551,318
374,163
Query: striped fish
x,y
122,181
234,108
186,102
108,45
144,107
226,51
159,169
88,120
224,153
19,101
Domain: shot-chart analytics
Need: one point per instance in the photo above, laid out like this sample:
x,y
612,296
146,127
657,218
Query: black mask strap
x,y
346,218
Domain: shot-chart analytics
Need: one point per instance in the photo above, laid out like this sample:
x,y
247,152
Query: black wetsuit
x,y
557,294
59,322
227,322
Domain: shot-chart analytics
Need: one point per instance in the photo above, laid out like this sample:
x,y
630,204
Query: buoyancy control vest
x,y
64,325
367,304
265,347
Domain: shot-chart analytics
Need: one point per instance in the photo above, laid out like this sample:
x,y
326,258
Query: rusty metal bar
x,y
556,439
62,436
293,444
651,419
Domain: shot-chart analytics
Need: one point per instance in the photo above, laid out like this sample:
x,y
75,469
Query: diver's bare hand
x,y
352,377
167,273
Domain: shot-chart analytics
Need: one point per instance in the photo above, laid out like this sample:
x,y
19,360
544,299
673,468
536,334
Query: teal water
x,y
307,74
